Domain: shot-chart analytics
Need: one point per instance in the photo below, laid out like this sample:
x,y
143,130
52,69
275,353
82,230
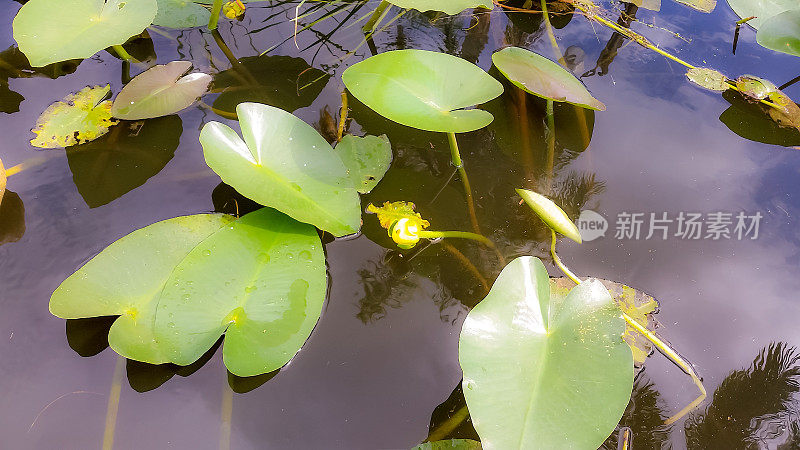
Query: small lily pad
x,y
705,6
552,369
446,6
127,278
284,163
366,158
423,89
760,9
781,32
160,91
452,444
50,31
78,118
181,14
708,78
539,76
261,282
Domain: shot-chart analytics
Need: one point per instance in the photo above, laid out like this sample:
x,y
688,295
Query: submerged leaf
x,y
708,78
446,6
282,162
781,32
260,281
181,14
553,370
160,91
78,118
635,303
49,31
423,89
127,279
452,444
366,158
539,76
551,214
705,6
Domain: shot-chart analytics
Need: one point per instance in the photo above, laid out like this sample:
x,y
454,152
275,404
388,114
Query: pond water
x,y
383,357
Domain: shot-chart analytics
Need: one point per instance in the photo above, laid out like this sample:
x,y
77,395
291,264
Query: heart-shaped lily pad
x,y
761,9
539,76
49,31
260,281
423,89
181,14
78,118
127,278
446,6
284,163
782,32
553,370
366,158
160,91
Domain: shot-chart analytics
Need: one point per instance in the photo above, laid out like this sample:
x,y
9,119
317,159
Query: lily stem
x,y
558,262
342,118
124,54
215,11
225,417
455,156
426,234
376,17
551,144
113,404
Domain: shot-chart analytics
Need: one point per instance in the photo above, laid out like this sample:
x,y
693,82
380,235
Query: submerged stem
x,y
376,17
113,404
675,358
551,143
225,417
342,117
455,156
455,234
447,427
214,19
124,54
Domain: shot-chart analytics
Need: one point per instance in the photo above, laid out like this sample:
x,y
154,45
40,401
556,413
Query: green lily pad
x,y
78,118
542,370
285,164
708,78
49,31
181,14
281,81
261,282
127,278
423,89
781,32
452,444
366,158
705,6
761,9
124,159
160,91
539,76
446,6
551,214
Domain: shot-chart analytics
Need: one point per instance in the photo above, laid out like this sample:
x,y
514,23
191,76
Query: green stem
x,y
123,53
373,21
454,234
551,143
455,155
215,11
225,416
113,404
558,262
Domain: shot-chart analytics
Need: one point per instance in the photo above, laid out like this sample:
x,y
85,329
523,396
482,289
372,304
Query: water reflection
x,y
753,407
12,218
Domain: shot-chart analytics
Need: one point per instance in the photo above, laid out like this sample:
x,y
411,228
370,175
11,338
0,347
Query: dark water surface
x,y
384,354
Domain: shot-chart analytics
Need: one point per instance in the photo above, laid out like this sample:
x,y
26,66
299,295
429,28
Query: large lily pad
x,y
761,9
539,76
423,89
181,14
285,164
446,6
366,158
160,91
781,32
127,278
49,31
281,81
542,370
260,281
78,118
124,159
